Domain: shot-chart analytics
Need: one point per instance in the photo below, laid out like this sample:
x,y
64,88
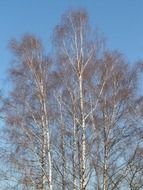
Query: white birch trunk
x,y
74,149
83,143
47,140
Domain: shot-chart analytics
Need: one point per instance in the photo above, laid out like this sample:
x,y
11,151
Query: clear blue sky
x,y
121,21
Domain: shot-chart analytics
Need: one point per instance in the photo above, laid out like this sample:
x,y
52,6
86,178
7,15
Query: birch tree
x,y
78,49
74,120
27,112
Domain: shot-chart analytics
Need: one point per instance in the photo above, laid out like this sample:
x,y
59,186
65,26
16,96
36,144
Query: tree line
x,y
72,119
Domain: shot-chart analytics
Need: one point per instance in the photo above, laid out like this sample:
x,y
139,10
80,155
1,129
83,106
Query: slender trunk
x,y
62,147
63,162
74,149
97,152
105,167
83,143
46,151
105,174
43,160
63,151
49,162
48,147
79,156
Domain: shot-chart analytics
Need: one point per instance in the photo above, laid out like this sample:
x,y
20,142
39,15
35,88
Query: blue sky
x,y
121,21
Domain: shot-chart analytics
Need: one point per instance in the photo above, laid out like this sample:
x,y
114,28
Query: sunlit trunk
x,y
46,151
74,149
83,138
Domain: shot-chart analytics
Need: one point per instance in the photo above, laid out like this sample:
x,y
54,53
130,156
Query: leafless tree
x,y
73,121
28,113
